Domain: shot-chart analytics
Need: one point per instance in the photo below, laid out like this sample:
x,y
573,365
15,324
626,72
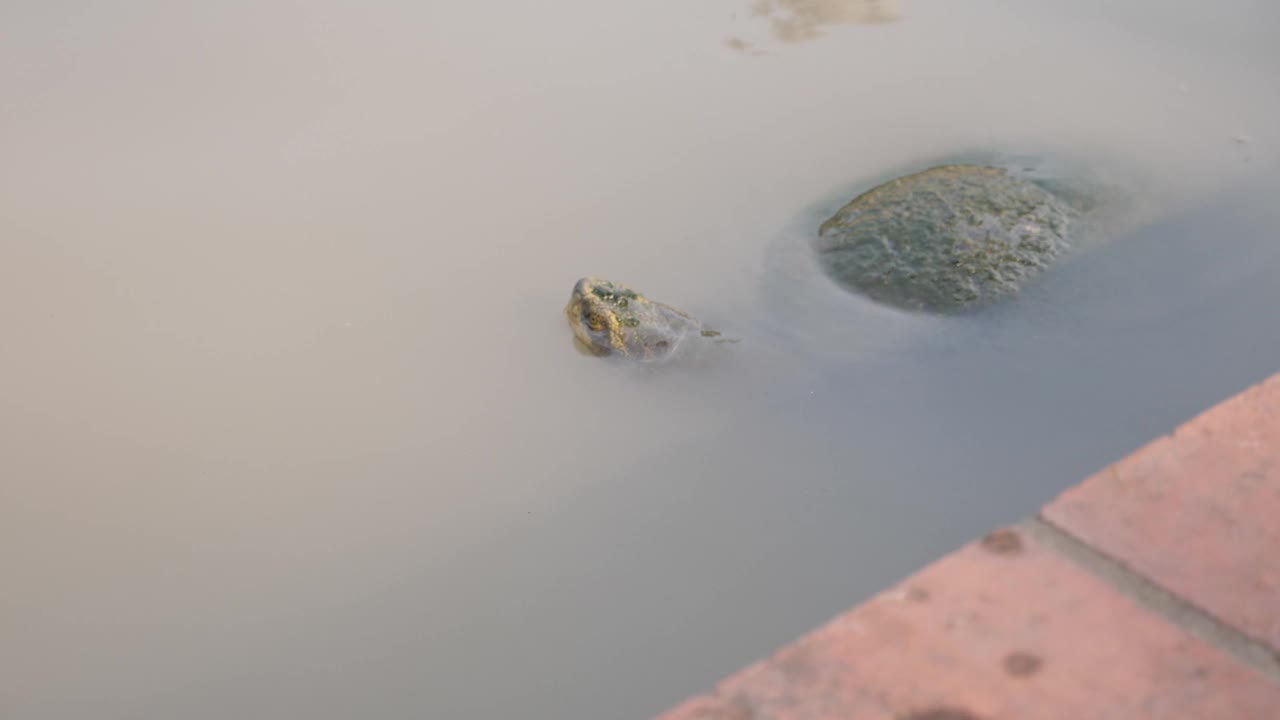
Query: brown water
x,y
290,423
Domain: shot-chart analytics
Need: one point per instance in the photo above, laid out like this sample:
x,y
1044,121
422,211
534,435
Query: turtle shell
x,y
946,239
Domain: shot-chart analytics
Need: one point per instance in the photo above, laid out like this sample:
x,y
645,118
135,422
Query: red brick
x,y
1197,512
1004,629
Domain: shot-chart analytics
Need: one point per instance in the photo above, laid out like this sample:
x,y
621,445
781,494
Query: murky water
x,y
290,423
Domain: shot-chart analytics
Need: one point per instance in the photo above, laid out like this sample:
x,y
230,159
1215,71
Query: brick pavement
x,y
1149,591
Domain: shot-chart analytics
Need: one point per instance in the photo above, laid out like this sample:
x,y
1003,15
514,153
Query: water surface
x,y
290,423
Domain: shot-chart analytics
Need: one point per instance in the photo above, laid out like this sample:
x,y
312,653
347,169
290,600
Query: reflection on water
x,y
290,421
799,20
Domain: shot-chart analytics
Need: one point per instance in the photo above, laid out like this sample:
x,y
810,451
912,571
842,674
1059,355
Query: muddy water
x,y
290,424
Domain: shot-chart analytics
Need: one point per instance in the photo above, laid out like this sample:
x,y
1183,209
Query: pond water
x,y
290,420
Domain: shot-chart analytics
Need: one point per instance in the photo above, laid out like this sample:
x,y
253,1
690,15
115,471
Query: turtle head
x,y
609,318
599,313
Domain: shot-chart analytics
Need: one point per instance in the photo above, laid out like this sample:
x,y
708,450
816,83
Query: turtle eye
x,y
596,322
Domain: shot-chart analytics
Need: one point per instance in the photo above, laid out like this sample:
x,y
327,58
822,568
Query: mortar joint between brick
x,y
1155,598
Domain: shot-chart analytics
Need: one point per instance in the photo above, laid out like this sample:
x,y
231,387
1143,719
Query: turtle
x,y
611,319
954,237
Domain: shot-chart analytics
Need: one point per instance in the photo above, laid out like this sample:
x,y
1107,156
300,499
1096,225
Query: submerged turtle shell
x,y
945,239
609,318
